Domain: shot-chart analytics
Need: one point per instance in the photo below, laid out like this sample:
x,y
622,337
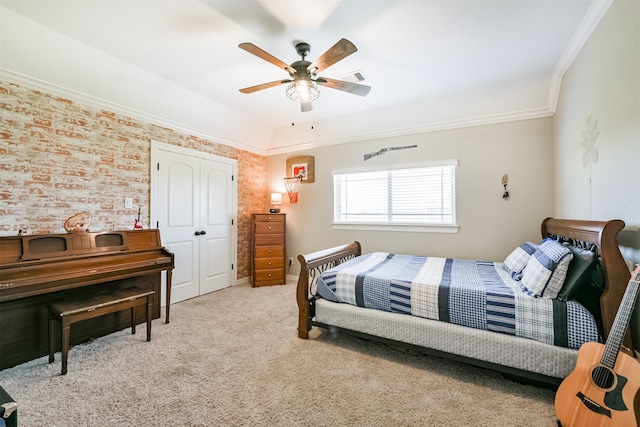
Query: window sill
x,y
411,228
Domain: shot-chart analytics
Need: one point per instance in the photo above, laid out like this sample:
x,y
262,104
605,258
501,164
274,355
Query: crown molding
x,y
91,101
554,92
587,26
425,128
94,102
589,23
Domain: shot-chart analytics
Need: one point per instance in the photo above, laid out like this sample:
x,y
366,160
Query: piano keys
x,y
36,270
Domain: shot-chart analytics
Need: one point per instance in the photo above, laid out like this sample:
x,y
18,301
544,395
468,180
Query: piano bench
x,y
69,312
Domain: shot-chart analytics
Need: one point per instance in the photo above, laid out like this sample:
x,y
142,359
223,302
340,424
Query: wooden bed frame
x,y
603,234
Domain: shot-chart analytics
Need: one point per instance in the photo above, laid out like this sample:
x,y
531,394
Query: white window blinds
x,y
410,195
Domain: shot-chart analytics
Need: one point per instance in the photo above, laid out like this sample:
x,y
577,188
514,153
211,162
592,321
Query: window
x,y
415,195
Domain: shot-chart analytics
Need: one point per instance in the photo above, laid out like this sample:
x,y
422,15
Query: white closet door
x,y
216,181
194,205
178,217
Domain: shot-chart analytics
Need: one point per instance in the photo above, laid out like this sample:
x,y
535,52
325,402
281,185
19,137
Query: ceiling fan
x,y
304,74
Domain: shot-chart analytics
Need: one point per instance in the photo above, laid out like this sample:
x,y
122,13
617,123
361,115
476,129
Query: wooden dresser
x,y
268,249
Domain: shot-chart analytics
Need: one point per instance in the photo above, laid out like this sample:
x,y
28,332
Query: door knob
x,y
200,233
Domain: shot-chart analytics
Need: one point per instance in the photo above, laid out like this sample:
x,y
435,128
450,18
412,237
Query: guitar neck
x,y
621,321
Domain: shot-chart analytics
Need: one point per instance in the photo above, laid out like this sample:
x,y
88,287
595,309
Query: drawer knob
x,y
269,227
269,274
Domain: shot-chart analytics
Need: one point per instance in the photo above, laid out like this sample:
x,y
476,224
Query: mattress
x,y
470,293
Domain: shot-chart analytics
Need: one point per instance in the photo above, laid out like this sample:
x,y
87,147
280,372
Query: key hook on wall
x,y
505,181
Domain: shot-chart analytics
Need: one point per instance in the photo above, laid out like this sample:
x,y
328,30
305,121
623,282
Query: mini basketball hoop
x,y
292,185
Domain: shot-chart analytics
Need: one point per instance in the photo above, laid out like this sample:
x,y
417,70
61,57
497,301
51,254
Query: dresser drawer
x,y
268,218
268,252
269,277
269,239
269,227
267,263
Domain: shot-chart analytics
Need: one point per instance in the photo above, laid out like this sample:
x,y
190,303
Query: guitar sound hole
x,y
603,377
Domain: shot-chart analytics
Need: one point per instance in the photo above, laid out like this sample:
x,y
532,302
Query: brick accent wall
x,y
59,157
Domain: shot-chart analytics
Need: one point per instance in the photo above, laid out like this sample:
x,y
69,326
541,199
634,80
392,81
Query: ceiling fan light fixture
x,y
303,91
304,80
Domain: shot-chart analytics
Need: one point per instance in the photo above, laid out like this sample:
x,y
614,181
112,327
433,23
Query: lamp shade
x,y
276,198
303,90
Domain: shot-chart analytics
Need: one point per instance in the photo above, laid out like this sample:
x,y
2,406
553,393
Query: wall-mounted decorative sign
x,y
301,166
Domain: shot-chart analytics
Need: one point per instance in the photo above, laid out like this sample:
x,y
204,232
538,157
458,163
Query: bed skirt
x,y
494,348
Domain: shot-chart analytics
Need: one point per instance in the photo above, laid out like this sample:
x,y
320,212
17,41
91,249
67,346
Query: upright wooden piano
x,y
36,270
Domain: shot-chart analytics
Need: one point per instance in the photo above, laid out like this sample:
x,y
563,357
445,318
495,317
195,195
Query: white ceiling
x,y
428,62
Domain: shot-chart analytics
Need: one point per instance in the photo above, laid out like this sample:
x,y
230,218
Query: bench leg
x,y
52,328
66,333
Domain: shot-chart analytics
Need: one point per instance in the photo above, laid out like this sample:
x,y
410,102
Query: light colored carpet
x,y
233,358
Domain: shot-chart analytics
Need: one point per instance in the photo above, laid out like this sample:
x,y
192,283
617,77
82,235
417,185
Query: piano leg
x,y
149,308
168,299
133,320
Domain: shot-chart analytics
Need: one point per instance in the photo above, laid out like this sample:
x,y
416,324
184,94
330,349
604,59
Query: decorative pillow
x,y
589,292
579,272
517,260
546,270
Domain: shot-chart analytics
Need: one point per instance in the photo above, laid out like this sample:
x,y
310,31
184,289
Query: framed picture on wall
x,y
300,166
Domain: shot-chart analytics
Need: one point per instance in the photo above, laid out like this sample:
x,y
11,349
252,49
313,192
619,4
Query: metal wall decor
x,y
384,150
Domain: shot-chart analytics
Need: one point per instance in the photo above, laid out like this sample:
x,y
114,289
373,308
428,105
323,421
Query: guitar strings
x,y
603,375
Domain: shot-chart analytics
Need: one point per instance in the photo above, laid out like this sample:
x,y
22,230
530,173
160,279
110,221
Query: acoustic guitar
x,y
602,388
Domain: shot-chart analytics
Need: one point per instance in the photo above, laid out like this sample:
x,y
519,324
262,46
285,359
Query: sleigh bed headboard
x,y
603,234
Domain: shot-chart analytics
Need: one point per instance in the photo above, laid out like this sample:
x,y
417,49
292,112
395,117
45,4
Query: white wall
x,y
603,80
490,227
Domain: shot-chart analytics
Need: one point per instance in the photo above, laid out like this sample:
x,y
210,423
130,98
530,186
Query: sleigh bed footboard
x,y
311,266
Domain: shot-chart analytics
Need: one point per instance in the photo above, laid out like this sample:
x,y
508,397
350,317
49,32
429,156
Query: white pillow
x,y
518,258
544,274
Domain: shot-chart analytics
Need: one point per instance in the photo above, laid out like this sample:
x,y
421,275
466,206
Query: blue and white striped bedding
x,y
477,294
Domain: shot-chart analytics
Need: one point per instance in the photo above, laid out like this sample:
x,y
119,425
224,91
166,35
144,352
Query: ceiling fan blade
x,y
306,106
337,52
354,88
262,86
251,48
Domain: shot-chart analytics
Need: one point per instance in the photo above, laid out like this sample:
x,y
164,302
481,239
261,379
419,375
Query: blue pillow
x,y
518,258
546,270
